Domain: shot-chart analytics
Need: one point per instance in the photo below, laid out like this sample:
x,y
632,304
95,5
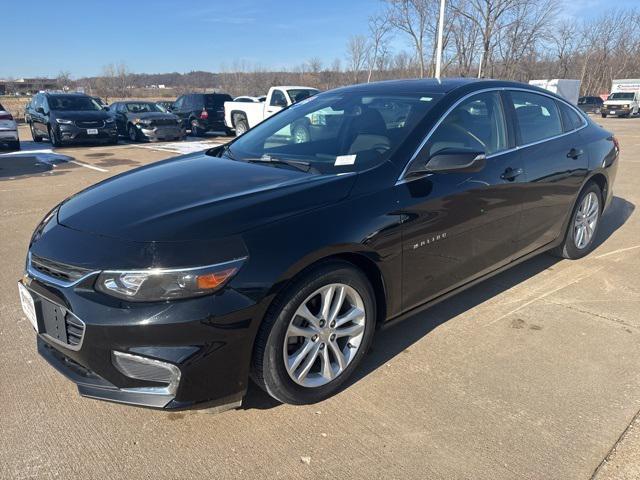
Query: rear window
x,y
538,116
570,119
216,99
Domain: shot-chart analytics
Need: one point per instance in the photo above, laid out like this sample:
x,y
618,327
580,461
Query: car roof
x,y
433,85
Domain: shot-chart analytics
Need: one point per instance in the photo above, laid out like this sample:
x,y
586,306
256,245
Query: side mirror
x,y
40,110
456,160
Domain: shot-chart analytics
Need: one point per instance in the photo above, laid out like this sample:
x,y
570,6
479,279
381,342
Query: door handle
x,y
575,153
510,174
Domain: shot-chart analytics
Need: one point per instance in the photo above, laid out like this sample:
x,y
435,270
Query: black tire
x,y
53,137
604,115
568,249
241,126
15,145
132,133
195,130
36,138
268,367
301,134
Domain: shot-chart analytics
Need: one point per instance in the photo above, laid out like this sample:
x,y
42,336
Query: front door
x,y
459,226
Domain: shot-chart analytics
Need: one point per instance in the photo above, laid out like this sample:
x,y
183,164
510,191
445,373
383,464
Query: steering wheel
x,y
467,132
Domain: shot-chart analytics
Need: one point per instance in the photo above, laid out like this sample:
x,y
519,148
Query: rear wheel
x,y
583,226
313,338
241,126
604,115
196,131
15,145
301,134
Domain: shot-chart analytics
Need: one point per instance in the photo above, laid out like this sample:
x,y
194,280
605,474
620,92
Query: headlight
x,y
63,121
141,122
109,120
626,105
166,284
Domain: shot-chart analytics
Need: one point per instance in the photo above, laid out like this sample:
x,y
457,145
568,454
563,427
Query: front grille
x,y
90,123
164,122
57,270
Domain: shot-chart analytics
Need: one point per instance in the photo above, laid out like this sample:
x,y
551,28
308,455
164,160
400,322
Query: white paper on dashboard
x,y
345,160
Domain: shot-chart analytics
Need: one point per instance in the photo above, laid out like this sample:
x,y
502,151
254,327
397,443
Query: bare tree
x,y
378,32
411,17
357,51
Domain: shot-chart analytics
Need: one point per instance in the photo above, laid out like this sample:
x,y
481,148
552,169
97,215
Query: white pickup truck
x,y
241,116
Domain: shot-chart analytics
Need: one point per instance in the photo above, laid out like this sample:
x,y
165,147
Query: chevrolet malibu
x,y
277,260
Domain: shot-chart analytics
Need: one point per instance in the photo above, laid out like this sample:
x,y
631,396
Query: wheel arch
x,y
237,114
363,261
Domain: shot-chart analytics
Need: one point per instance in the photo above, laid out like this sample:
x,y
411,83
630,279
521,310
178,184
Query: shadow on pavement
x,y
33,159
398,338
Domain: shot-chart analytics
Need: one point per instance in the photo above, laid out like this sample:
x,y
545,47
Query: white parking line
x,y
86,165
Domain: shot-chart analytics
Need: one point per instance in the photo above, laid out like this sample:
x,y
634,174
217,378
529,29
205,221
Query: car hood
x,y
197,197
81,115
152,116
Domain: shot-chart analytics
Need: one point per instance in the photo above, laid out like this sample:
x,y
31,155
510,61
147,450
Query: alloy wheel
x,y
324,335
586,220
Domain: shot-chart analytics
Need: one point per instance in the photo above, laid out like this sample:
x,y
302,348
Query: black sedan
x,y
139,120
274,259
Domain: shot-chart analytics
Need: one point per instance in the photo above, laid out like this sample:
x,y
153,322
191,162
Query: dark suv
x,y
202,112
69,118
590,104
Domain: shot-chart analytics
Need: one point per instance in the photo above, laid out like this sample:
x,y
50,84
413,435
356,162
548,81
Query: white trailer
x,y
567,88
624,99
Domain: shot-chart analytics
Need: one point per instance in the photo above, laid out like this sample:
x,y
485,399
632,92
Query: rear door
x,y
462,225
214,105
555,162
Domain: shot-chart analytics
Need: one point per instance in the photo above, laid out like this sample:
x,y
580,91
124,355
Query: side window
x,y
37,102
478,123
278,99
178,104
538,116
570,119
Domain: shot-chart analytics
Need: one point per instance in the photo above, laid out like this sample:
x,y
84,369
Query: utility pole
x,y
439,48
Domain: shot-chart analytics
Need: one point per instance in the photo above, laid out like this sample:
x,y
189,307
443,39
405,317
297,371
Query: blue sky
x,y
171,35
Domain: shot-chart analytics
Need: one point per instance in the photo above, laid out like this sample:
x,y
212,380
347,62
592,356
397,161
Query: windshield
x,y
71,103
336,132
142,107
621,96
298,94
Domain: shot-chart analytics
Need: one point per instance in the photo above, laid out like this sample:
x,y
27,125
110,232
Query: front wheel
x,y
36,138
315,335
583,226
53,137
132,133
301,134
604,115
196,131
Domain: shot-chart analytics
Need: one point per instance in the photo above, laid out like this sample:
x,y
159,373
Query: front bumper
x,y
74,134
617,110
162,133
208,339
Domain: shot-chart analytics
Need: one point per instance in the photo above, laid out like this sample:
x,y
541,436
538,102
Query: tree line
x,y
506,39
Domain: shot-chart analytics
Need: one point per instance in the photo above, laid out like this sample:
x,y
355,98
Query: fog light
x,y
143,368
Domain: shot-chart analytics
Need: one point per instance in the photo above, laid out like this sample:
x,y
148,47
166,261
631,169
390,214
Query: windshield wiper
x,y
299,164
